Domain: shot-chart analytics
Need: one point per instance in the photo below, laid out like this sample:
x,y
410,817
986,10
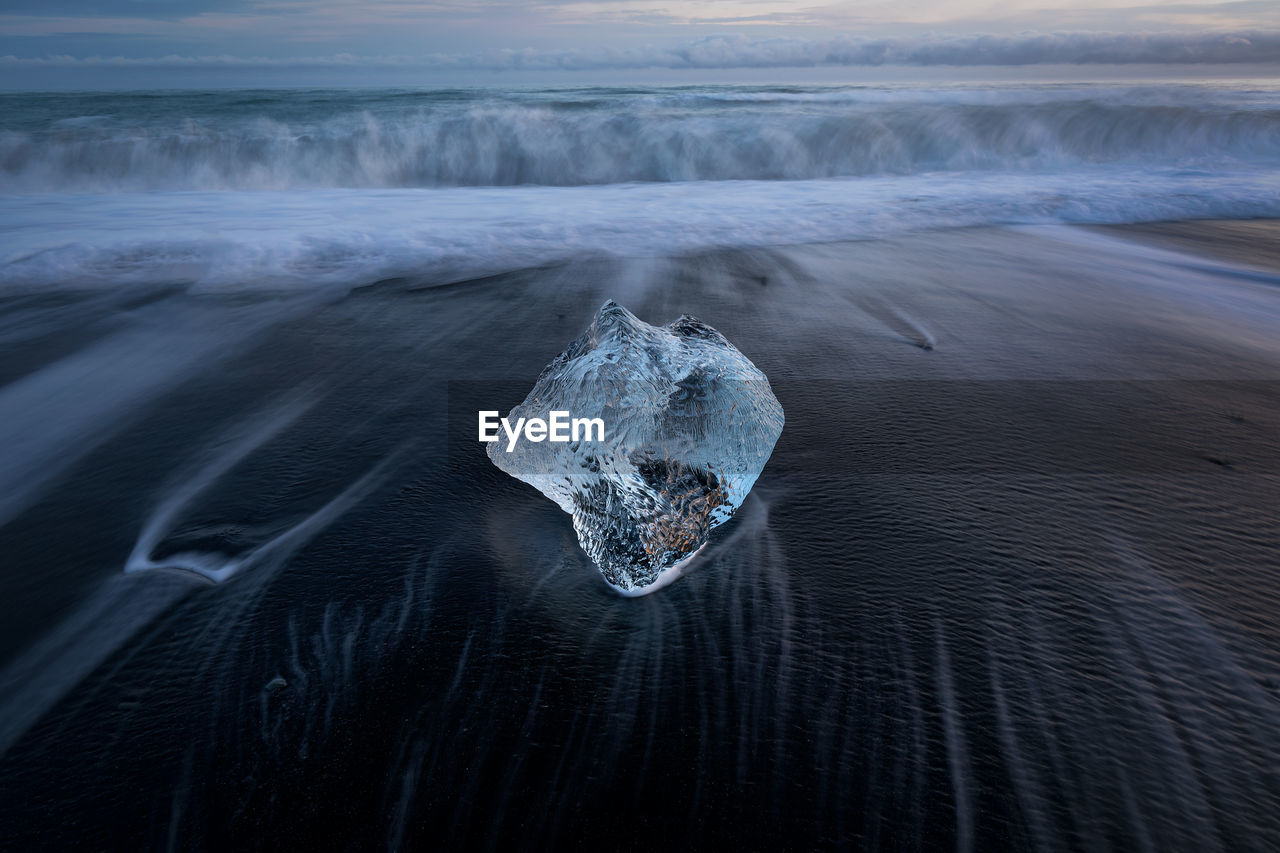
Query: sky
x,y
65,41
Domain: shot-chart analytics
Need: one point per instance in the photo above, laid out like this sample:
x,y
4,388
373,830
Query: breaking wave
x,y
336,189
273,141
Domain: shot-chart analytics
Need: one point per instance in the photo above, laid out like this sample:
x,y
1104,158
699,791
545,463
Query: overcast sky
x,y
92,38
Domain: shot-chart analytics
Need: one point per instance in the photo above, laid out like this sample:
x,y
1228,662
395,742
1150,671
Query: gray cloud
x,y
147,9
723,52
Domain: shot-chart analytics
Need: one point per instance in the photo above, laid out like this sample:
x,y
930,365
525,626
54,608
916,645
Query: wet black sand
x,y
1255,242
1008,581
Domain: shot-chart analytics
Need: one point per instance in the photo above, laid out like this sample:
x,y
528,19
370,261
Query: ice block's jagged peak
x,y
692,327
611,315
616,325
689,424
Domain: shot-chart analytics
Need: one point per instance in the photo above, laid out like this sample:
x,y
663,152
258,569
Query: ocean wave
x,y
575,138
340,239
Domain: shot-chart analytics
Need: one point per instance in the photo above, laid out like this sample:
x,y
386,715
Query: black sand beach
x,y
1008,580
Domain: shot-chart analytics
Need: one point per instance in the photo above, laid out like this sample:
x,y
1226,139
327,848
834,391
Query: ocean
x,y
1009,580
232,189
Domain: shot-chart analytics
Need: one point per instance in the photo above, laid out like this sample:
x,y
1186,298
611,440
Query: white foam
x,y
346,238
279,141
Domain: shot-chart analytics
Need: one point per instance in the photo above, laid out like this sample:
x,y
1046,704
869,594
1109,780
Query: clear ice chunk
x,y
689,424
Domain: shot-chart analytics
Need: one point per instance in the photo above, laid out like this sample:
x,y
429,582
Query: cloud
x,y
739,52
159,9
